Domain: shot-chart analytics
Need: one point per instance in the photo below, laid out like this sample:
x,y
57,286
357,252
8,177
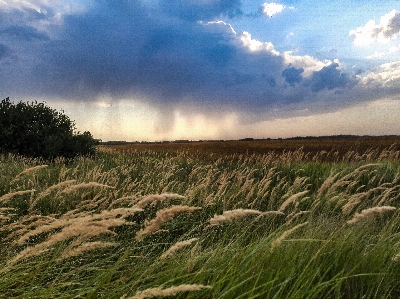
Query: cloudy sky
x,y
206,69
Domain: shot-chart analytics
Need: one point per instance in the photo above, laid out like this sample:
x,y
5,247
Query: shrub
x,y
36,130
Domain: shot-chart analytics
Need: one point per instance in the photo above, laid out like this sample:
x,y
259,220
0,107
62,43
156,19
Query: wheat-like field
x,y
144,224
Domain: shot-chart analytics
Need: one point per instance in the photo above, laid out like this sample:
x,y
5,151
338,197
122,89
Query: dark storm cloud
x,y
292,75
132,49
329,77
166,53
202,10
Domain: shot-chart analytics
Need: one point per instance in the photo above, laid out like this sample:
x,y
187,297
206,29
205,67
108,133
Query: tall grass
x,y
151,224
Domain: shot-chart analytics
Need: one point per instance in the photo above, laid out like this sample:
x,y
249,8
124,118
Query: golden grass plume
x,y
83,186
176,247
163,216
232,214
285,234
168,292
368,213
291,199
156,198
85,247
82,228
51,189
56,187
8,196
27,171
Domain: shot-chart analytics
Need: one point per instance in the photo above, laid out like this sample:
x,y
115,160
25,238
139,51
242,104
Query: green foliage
x,y
36,130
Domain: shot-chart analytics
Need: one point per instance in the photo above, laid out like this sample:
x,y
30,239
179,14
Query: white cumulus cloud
x,y
388,28
387,74
273,8
255,45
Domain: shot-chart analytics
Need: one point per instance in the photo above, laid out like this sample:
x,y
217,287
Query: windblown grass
x,y
151,224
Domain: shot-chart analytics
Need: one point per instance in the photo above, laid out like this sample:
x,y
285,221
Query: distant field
x,y
337,147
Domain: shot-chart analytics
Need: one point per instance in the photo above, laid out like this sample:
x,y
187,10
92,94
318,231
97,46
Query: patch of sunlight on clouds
x,y
255,45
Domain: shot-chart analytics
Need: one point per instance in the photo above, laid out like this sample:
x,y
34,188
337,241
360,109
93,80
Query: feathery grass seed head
x,y
286,234
232,214
83,186
163,216
8,196
176,247
367,213
27,171
291,199
156,198
168,292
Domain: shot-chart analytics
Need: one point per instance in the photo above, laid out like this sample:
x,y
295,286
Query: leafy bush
x,y
36,130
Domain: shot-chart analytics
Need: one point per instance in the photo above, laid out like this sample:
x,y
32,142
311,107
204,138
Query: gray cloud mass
x,y
292,75
169,54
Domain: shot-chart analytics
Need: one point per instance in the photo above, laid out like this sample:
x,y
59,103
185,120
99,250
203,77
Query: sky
x,y
154,70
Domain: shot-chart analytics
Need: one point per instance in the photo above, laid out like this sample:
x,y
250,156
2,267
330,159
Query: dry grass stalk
x,y
82,228
291,199
365,214
355,199
163,216
396,257
365,167
27,171
359,171
229,215
123,212
79,219
6,209
386,195
58,186
4,218
8,196
59,223
176,247
18,232
24,228
156,198
338,184
122,199
171,291
51,189
353,202
85,247
83,186
285,234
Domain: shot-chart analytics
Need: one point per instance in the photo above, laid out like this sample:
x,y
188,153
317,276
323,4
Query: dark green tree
x,y
36,130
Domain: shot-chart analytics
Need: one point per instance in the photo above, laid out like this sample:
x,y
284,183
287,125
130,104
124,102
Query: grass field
x,y
329,149
211,220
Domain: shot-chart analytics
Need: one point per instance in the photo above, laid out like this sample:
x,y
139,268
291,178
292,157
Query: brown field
x,y
334,148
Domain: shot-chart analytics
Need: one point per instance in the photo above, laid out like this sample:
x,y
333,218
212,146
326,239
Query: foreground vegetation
x,y
143,224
